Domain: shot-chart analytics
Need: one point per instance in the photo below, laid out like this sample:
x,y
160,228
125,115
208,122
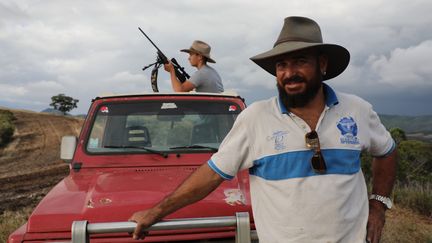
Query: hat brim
x,y
209,59
338,56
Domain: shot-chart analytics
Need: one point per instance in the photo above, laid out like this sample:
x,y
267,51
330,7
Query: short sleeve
x,y
381,142
196,78
236,151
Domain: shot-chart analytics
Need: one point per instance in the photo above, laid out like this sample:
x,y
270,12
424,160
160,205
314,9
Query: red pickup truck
x,y
132,151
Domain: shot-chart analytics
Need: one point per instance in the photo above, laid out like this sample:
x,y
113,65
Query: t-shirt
x,y
206,79
290,202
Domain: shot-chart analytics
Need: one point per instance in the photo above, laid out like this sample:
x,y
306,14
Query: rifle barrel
x,y
148,38
162,59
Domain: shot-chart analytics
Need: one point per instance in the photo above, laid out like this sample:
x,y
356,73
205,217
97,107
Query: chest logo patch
x,y
279,139
348,128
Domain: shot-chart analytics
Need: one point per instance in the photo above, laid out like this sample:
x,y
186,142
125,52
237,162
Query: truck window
x,y
124,127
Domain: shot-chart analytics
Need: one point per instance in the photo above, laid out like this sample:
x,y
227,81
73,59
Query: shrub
x,y
7,127
7,115
415,162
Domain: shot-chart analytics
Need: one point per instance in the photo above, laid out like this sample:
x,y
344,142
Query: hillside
x,y
410,124
415,127
30,165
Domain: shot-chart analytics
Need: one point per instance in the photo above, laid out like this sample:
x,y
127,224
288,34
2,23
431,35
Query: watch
x,y
384,200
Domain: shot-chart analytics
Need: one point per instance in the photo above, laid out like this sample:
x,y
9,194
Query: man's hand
x,y
197,186
376,221
169,67
383,177
144,220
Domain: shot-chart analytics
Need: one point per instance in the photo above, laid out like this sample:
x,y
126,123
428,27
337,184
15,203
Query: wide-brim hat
x,y
201,48
299,33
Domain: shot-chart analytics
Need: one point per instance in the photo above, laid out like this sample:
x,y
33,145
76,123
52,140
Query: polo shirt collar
x,y
330,96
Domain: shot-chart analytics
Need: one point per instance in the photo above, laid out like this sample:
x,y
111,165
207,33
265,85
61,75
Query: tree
x,y
7,127
63,103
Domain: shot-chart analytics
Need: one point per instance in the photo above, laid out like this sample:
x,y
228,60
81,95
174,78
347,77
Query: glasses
x,y
317,161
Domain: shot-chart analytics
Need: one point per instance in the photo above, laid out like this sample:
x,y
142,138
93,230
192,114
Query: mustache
x,y
294,79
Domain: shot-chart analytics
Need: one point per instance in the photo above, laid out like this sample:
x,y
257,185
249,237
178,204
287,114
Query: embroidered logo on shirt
x,y
348,129
279,139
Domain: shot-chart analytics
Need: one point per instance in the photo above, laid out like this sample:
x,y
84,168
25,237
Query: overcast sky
x,y
87,48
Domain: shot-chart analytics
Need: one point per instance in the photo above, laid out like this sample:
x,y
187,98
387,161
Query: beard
x,y
300,99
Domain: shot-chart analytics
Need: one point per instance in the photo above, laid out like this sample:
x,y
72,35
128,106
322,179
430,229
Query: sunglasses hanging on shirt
x,y
317,161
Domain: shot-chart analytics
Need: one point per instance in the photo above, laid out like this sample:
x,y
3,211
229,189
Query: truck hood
x,y
113,195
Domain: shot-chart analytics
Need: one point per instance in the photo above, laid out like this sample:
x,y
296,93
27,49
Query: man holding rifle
x,y
206,79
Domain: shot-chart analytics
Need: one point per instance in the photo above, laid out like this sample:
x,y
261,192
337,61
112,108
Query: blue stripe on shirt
x,y
217,170
297,164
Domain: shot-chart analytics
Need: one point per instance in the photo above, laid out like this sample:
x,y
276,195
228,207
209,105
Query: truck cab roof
x,y
228,93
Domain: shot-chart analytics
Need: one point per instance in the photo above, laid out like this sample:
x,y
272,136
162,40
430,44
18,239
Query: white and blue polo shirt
x,y
291,203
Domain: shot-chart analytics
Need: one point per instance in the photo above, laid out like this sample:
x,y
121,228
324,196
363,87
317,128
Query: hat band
x,y
295,39
199,52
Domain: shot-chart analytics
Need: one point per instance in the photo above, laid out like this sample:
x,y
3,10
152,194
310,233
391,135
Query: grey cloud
x,y
84,48
411,67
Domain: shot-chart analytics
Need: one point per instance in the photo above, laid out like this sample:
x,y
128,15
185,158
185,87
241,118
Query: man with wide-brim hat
x,y
315,203
302,150
205,79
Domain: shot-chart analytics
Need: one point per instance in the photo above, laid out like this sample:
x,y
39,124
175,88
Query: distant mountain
x,y
81,116
57,112
410,124
52,111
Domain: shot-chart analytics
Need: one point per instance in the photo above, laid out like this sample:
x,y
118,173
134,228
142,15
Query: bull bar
x,y
81,230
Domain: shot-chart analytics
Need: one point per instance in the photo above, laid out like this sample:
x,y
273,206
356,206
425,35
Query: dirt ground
x,y
30,165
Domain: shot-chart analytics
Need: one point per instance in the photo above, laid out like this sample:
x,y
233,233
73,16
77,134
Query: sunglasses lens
x,y
318,163
312,135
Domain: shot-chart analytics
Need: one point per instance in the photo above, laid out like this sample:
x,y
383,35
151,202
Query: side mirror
x,y
67,149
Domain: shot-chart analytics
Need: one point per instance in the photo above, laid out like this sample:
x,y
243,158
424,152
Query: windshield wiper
x,y
165,155
196,146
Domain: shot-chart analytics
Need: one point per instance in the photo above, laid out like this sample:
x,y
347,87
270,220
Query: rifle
x,y
162,59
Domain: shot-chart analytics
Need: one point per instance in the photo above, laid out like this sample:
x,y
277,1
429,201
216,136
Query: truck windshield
x,y
161,126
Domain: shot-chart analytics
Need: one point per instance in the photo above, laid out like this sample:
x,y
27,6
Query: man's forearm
x,y
384,174
176,84
203,181
197,186
383,177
